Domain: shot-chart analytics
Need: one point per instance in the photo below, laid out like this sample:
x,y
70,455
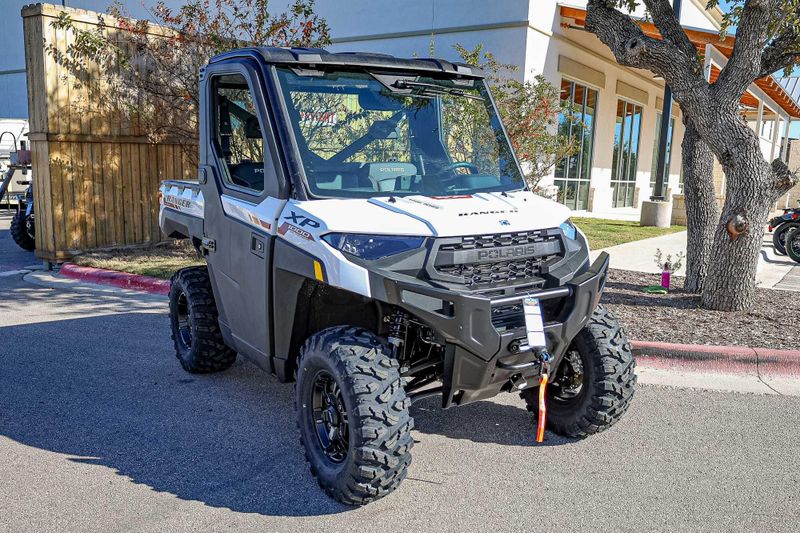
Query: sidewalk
x,y
774,271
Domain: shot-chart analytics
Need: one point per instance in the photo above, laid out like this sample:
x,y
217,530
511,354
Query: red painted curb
x,y
123,280
728,359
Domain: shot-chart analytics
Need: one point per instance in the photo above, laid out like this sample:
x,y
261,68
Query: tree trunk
x,y
731,281
702,211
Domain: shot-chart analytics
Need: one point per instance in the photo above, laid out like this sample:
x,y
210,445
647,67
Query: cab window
x,y
238,132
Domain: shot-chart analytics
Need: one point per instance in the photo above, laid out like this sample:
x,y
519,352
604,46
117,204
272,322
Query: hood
x,y
439,216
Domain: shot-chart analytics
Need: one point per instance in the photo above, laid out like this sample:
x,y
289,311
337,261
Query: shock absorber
x,y
398,330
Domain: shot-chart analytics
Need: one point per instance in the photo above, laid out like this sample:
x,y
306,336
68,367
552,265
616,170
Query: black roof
x,y
320,56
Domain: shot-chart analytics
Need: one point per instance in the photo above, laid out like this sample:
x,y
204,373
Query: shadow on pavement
x,y
108,391
482,422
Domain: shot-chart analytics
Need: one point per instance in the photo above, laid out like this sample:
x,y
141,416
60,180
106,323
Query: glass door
x,y
573,174
626,153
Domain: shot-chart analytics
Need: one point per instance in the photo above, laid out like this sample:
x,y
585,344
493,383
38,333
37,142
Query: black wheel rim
x,y
568,383
29,228
795,244
330,417
184,324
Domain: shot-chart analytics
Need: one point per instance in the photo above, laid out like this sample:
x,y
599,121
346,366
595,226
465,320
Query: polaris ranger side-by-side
x,y
369,235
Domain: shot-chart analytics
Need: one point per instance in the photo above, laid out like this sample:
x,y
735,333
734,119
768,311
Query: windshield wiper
x,y
431,89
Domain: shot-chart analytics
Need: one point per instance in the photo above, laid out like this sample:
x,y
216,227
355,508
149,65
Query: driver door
x,y
244,193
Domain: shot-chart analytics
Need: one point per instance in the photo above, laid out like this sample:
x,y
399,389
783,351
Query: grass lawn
x,y
603,232
160,261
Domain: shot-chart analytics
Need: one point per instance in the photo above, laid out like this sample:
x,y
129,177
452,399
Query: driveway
x,y
100,430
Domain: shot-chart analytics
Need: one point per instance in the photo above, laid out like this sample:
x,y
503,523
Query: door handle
x,y
257,246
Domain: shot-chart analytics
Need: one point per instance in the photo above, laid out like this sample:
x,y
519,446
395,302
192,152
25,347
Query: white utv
x,y
369,235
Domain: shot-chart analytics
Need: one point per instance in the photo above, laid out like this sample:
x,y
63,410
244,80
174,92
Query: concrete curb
x,y
123,280
762,362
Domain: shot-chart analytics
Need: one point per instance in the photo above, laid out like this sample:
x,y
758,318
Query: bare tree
x,y
767,40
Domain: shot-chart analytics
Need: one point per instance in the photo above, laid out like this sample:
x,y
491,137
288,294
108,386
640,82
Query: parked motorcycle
x,y
781,225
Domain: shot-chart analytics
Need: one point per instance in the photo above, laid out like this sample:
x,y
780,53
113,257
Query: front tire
x,y
22,231
194,319
779,237
353,415
594,383
793,244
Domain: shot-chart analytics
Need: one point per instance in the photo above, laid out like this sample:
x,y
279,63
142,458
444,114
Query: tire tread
x,y
208,352
381,421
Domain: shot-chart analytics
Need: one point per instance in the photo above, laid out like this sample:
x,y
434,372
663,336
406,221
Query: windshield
x,y
362,135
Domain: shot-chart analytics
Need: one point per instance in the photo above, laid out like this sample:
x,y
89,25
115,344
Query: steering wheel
x,y
462,164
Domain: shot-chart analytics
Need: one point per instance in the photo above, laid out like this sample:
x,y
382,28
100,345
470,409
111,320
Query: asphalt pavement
x,y
12,257
101,430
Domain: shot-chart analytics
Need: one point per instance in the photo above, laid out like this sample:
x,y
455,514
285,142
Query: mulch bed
x,y
677,316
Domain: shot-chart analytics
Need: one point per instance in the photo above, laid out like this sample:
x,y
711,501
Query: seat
x,y
248,174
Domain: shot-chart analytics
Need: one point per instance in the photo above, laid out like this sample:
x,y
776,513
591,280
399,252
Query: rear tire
x,y
779,237
24,238
193,315
353,415
599,361
793,244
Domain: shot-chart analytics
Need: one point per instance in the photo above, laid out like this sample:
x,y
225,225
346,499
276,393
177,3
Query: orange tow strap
x,y
542,408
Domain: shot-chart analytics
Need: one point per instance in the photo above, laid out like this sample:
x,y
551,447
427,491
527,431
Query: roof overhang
x,y
701,38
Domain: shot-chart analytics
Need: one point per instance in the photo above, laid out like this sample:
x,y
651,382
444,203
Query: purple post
x,y
665,279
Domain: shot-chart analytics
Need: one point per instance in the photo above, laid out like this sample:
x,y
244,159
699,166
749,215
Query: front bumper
x,y
482,361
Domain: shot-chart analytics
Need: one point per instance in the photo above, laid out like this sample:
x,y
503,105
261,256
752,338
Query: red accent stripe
x,y
124,280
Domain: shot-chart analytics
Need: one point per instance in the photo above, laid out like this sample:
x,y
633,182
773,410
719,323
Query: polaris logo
x,y
505,253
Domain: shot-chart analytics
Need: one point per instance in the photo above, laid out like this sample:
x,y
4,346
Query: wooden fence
x,y
95,176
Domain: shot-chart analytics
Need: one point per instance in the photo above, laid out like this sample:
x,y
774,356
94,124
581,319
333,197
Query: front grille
x,y
481,274
504,259
500,240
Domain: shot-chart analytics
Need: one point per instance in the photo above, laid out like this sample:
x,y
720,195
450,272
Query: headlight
x,y
372,247
569,229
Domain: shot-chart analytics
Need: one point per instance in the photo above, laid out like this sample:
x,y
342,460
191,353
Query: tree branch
x,y
781,53
785,180
668,25
744,65
632,48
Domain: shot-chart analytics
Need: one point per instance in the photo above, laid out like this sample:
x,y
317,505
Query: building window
x,y
572,175
626,153
654,170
